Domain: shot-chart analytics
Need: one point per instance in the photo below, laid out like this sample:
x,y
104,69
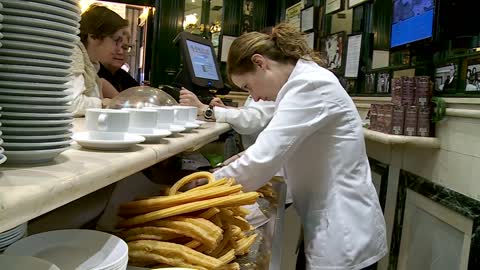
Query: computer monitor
x,y
412,21
199,62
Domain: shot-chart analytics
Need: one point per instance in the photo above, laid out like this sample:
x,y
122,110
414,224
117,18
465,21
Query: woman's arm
x,y
108,90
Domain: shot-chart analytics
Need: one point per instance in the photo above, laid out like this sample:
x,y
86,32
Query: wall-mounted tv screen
x,y
412,21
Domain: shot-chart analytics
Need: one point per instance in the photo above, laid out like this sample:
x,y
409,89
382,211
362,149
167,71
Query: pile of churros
x,y
201,228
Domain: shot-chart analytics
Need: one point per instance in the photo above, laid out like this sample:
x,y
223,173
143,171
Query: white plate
x,y
12,60
9,262
61,4
37,39
150,135
104,141
27,5
34,93
7,241
3,158
22,228
39,138
35,55
56,72
34,86
36,100
39,15
40,23
33,78
198,122
36,130
176,129
35,47
1,150
22,29
25,116
33,156
22,146
33,108
73,249
34,123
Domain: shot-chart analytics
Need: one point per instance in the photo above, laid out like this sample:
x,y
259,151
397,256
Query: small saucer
x,y
176,129
150,134
106,140
200,122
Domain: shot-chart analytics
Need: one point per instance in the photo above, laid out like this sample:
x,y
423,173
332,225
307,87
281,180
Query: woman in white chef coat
x,y
316,136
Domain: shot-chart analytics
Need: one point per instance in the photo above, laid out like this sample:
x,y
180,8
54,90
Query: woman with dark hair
x,y
105,35
316,136
88,90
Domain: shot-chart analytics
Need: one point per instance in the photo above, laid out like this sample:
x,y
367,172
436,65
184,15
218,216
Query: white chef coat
x,y
249,121
316,135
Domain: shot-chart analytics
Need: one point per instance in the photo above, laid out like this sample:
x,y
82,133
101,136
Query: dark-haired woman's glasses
x,y
119,43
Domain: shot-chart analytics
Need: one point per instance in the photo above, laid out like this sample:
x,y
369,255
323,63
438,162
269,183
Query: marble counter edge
x,y
72,179
423,142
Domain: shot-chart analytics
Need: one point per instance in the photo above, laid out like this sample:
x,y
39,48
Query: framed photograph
x,y
472,76
354,3
293,14
446,77
370,82
310,38
354,49
351,86
383,82
333,6
307,19
333,47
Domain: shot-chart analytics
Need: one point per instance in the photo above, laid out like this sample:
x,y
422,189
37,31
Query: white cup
x,y
142,118
107,120
165,116
192,113
182,114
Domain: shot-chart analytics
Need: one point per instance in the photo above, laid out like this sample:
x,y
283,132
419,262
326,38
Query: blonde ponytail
x,y
284,44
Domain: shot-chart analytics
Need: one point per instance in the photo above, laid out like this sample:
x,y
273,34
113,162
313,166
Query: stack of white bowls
x,y
75,249
37,39
11,236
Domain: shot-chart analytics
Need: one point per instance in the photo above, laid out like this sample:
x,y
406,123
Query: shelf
x,y
421,142
29,191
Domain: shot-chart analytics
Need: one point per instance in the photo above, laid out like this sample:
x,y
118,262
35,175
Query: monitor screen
x,y
412,21
202,60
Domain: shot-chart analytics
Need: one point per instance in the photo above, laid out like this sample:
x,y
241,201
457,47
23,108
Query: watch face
x,y
208,113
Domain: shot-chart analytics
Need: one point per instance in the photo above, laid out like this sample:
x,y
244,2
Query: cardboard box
x,y
411,118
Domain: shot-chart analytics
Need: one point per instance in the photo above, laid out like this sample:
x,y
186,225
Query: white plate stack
x,y
11,236
37,38
75,249
3,158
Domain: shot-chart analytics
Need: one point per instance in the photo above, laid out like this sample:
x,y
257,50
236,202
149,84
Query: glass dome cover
x,y
142,96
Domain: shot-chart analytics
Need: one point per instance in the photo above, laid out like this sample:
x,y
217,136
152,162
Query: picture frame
x,y
383,81
353,55
310,38
471,76
370,83
354,3
333,47
333,6
308,20
447,77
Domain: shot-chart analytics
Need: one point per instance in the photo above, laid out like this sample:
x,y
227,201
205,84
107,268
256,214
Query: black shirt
x,y
121,80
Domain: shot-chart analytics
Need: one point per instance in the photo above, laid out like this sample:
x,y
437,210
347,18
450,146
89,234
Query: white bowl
x,y
74,249
9,262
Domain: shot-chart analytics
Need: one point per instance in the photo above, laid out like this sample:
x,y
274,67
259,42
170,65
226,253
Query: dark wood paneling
x,y
381,24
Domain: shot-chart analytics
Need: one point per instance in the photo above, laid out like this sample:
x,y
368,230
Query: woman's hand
x,y
187,98
217,102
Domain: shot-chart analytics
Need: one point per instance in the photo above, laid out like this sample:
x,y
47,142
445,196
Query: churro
x,y
189,178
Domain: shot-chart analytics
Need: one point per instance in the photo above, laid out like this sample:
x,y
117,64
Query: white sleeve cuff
x,y
220,114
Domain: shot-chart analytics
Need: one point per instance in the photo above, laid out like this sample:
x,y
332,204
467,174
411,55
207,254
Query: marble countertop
x,y
423,142
29,191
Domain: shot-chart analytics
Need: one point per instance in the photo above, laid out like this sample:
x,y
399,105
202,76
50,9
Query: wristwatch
x,y
209,113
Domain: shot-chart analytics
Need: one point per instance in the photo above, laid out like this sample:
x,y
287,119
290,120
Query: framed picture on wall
x,y
333,47
446,77
353,3
307,19
472,75
333,6
370,82
383,82
354,49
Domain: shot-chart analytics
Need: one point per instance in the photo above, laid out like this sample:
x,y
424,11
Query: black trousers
x,y
302,262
